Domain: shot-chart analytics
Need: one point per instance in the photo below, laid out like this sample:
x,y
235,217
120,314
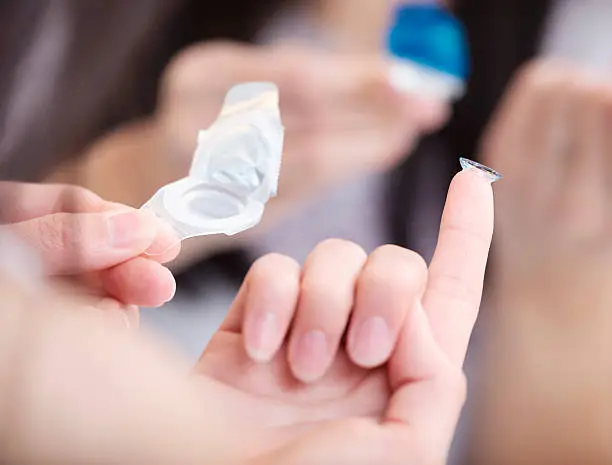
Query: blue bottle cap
x,y
428,35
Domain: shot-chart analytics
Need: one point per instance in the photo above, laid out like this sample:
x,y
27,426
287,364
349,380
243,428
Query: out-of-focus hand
x,y
116,252
390,392
340,113
551,340
552,138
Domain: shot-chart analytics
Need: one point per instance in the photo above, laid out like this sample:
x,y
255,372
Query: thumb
x,y
74,243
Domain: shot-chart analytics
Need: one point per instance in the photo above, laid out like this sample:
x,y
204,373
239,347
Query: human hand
x,y
550,338
341,115
72,391
116,252
552,141
354,359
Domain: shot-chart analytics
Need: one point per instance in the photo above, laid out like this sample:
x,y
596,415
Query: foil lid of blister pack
x,y
234,171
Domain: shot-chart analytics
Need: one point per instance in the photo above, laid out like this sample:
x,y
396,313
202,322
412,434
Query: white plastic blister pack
x,y
235,168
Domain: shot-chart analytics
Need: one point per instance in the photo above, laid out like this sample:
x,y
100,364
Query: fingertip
x,y
129,230
163,253
392,277
166,245
140,282
470,203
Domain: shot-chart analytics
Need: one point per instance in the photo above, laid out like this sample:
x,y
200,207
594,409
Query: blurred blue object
x,y
430,35
431,40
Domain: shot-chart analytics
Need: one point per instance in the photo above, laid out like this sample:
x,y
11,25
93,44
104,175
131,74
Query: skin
x,y
86,390
341,116
115,253
549,336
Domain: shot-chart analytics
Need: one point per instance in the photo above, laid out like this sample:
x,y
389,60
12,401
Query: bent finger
x,y
139,282
75,243
265,306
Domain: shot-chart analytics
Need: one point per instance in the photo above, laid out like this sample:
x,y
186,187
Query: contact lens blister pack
x,y
428,51
234,171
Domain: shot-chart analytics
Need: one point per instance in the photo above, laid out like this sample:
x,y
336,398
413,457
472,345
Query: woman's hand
x,y
341,118
340,113
114,251
550,344
351,360
356,359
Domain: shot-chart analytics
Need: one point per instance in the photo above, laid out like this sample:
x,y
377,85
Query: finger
x,y
74,243
326,299
546,138
456,274
525,134
166,246
23,201
139,282
428,391
271,299
582,196
392,279
265,305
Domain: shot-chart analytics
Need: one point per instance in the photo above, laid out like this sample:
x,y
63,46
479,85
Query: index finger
x,y
456,274
25,201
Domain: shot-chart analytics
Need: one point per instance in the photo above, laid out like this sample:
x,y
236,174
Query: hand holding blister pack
x,y
235,168
428,51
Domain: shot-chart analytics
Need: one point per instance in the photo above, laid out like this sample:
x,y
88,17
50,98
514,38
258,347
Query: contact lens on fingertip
x,y
235,168
483,171
429,51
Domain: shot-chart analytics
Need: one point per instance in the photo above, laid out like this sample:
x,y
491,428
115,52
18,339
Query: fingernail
x,y
165,239
311,356
261,337
129,229
489,174
371,344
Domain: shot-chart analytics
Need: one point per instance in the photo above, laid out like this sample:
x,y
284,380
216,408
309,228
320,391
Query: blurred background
x,y
110,95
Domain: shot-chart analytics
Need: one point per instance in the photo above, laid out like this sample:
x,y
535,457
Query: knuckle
x,y
78,198
455,289
319,293
343,247
397,266
52,234
273,265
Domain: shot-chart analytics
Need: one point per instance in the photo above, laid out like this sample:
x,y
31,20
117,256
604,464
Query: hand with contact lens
x,y
112,252
550,336
350,360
